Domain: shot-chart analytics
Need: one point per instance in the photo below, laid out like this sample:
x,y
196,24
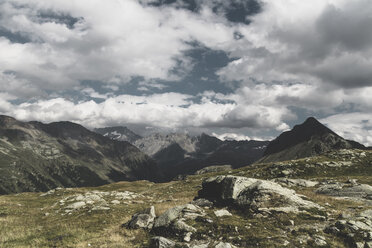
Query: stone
x,y
224,245
200,245
368,244
270,195
161,242
115,202
144,219
222,212
320,241
297,182
367,214
76,205
346,190
201,202
97,208
187,237
224,188
187,211
168,217
181,227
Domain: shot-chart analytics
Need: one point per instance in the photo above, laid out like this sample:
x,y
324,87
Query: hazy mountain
x,y
37,157
118,133
178,154
305,140
157,142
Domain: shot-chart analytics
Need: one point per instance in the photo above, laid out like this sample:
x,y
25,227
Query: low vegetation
x,y
41,220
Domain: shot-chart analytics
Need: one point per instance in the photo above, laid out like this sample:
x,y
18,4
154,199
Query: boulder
x,y
224,245
222,212
252,193
187,211
161,242
224,189
296,182
352,190
144,219
270,195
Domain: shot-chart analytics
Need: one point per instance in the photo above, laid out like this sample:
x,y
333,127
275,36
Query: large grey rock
x,y
253,193
296,182
168,217
270,195
346,190
224,188
187,211
161,242
144,219
213,168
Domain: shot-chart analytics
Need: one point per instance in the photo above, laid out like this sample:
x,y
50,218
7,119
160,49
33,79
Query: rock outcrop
x,y
350,189
144,219
356,231
254,194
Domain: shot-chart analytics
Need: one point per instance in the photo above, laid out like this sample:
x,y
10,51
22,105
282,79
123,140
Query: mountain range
x,y
38,157
178,154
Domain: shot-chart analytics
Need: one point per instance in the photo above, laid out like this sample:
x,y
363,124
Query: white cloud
x,y
355,126
231,136
166,110
111,40
315,42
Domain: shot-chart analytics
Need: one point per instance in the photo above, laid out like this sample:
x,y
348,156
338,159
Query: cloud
x,y
73,41
166,110
318,42
236,136
355,126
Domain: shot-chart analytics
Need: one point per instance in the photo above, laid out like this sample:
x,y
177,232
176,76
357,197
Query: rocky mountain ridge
x,y
119,133
37,157
310,138
178,153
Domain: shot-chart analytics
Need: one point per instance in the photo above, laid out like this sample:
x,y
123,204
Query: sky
x,y
245,69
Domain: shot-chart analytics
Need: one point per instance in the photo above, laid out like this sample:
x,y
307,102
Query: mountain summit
x,y
307,139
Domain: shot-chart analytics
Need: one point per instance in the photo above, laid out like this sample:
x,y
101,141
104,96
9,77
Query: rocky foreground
x,y
186,225
323,201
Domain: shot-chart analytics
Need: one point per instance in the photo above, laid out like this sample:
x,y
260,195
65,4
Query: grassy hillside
x,y
49,220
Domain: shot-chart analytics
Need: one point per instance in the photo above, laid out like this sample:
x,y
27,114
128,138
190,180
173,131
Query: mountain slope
x,y
178,154
118,133
37,157
305,140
